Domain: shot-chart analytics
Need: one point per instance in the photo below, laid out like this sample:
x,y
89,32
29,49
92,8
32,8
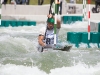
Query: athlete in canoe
x,y
46,35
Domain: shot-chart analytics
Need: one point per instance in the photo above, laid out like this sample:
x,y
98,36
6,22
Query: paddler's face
x,y
50,26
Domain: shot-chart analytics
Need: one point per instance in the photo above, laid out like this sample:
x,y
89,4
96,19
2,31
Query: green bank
x,y
35,2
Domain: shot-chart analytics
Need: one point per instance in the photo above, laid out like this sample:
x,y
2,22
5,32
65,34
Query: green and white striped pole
x,y
55,23
55,10
84,10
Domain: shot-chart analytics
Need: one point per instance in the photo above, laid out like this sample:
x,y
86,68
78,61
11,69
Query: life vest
x,y
49,37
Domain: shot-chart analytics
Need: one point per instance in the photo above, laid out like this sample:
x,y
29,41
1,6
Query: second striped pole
x,y
89,21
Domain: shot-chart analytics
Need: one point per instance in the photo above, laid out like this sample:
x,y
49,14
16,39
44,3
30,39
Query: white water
x,y
79,69
18,54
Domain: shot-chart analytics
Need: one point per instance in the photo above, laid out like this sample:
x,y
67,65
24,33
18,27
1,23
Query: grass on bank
x,y
35,2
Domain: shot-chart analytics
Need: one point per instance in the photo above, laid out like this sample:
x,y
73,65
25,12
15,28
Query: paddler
x,y
46,34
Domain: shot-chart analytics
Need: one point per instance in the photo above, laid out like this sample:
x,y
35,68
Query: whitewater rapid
x,y
19,55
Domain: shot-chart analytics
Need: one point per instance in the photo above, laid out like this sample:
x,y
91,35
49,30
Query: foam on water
x,y
79,69
11,69
19,55
77,24
20,29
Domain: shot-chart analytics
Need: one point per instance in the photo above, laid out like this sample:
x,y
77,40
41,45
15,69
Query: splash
x,y
79,69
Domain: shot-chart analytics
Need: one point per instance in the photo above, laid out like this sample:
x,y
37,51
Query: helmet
x,y
50,20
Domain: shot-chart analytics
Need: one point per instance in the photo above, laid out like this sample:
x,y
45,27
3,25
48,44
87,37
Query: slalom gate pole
x,y
84,10
55,10
55,23
89,20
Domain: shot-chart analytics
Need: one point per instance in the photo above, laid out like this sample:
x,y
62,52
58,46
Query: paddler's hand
x,y
50,15
43,44
58,2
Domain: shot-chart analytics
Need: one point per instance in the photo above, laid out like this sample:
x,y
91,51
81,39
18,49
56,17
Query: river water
x,y
19,55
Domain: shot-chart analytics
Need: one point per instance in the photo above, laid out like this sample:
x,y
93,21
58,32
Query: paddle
x,y
50,12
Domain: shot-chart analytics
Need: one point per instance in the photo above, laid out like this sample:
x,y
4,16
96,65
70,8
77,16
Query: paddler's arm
x,y
58,20
40,40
